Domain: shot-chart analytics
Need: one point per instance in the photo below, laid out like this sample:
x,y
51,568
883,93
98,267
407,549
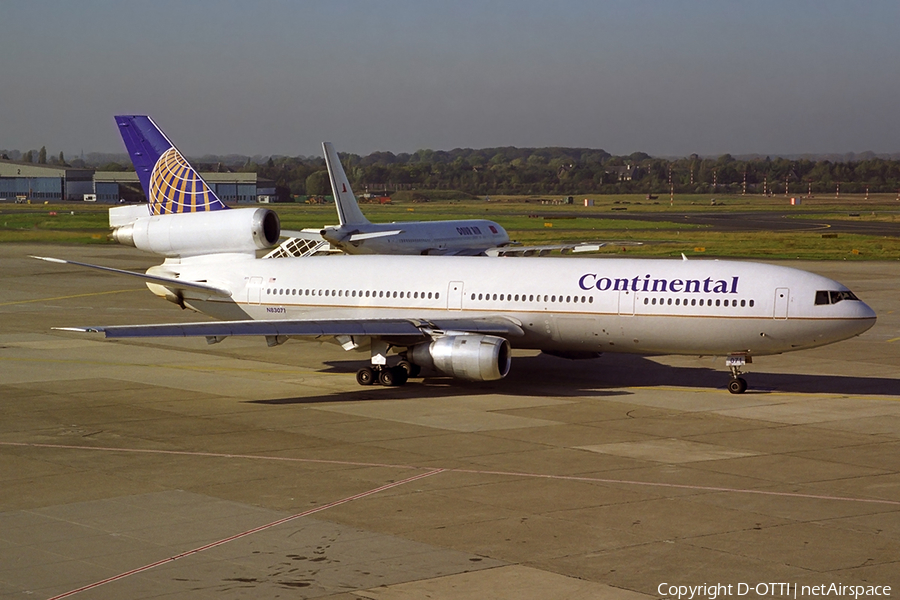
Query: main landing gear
x,y
379,372
382,374
737,385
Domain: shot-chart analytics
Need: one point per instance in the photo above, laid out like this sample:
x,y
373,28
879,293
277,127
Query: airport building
x,y
27,181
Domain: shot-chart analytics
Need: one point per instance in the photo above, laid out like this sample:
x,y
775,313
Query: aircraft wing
x,y
398,329
542,250
169,282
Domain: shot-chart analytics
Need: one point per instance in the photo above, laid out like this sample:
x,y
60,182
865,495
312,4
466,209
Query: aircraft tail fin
x,y
344,200
170,183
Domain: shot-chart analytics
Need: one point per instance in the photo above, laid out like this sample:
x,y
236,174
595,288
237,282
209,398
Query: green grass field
x,y
538,220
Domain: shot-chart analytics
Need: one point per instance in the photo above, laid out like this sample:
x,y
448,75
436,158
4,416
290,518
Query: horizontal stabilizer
x,y
169,282
358,237
303,234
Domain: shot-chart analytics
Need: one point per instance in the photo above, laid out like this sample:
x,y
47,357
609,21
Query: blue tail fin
x,y
171,184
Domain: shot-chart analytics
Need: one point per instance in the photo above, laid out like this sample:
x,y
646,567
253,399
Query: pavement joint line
x,y
70,297
211,455
701,488
249,532
200,368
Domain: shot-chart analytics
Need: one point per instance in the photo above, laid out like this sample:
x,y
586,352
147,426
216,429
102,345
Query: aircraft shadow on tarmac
x,y
608,376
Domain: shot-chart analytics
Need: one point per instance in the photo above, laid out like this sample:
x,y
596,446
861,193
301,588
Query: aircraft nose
x,y
865,315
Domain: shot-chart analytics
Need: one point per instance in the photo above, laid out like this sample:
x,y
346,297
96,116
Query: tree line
x,y
573,171
554,170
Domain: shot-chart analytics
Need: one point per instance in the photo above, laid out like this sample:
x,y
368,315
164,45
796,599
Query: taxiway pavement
x,y
171,469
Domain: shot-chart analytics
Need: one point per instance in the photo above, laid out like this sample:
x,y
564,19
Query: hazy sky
x,y
267,77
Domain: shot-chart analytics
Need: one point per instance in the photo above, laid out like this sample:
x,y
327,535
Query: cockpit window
x,y
838,296
829,297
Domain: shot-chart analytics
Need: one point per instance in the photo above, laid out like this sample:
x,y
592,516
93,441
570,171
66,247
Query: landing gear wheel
x,y
412,370
737,385
365,376
392,376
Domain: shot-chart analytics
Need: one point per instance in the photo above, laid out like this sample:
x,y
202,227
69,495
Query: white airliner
x,y
457,315
357,235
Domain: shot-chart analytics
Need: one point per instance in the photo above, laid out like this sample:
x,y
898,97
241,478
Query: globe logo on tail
x,y
176,188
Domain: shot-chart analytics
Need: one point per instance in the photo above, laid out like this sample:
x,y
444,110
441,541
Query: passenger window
x,y
743,303
568,298
669,302
751,303
436,295
429,296
646,300
677,301
717,302
552,298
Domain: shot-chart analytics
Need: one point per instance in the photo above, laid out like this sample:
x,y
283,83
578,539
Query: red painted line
x,y
248,532
470,471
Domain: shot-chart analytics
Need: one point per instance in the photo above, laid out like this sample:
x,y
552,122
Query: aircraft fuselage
x,y
648,306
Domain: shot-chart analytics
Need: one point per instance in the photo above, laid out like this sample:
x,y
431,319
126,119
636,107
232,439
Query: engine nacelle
x,y
470,357
243,230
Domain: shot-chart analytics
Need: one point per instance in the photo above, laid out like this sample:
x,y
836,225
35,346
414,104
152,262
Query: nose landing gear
x,y
737,385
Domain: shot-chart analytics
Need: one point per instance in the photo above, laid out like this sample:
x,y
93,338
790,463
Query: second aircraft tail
x,y
347,207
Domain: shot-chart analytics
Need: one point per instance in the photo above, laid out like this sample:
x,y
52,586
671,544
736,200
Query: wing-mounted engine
x,y
244,230
469,357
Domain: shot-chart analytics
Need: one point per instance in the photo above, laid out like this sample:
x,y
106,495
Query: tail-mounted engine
x,y
243,230
469,357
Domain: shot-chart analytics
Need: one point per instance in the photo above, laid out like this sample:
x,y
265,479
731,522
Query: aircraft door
x,y
626,303
454,295
782,298
254,290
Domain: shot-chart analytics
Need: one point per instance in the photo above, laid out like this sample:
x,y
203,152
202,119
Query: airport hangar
x,y
49,183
